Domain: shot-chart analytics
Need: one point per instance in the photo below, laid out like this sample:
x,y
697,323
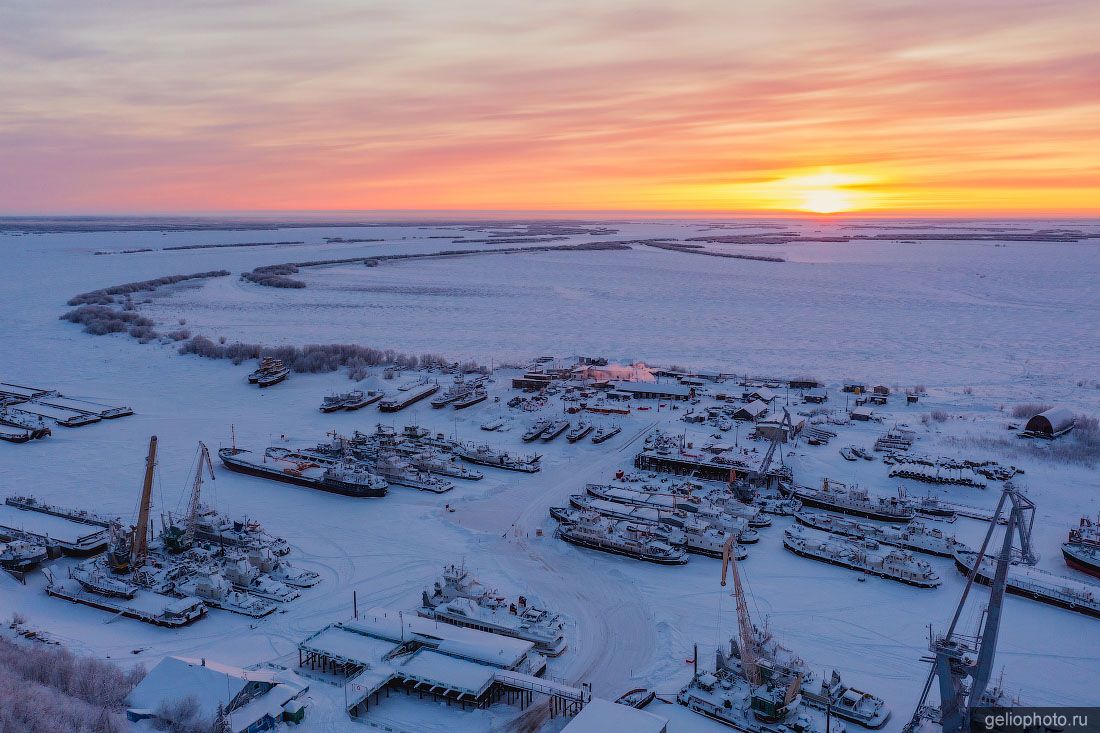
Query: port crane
x,y
175,538
129,550
770,698
956,657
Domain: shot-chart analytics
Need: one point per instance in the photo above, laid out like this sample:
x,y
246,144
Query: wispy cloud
x,y
982,106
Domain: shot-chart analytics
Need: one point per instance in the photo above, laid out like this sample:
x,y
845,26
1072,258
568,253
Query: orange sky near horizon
x,y
987,108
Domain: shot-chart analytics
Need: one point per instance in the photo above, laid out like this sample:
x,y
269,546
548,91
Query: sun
x,y
825,192
827,201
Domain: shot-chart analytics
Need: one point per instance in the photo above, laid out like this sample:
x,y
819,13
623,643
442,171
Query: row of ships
x,y
886,537
366,465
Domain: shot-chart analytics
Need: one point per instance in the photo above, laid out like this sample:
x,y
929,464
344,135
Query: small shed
x,y
1050,424
862,413
751,411
882,389
855,387
815,395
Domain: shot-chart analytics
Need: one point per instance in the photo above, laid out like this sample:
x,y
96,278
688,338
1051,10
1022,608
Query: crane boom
x,y
744,623
140,545
196,493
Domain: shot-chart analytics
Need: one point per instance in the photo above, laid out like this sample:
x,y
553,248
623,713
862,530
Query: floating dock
x,y
74,538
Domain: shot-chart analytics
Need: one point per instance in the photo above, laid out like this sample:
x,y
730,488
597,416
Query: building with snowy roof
x,y
762,394
1050,424
752,411
773,427
862,413
602,716
385,650
656,390
253,700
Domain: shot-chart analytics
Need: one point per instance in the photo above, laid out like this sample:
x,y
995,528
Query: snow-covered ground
x,y
982,326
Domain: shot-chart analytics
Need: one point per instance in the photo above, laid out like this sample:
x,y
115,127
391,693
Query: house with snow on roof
x,y
253,700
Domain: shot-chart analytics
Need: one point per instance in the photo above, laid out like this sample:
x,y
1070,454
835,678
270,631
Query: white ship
x,y
865,556
217,592
618,537
916,535
461,600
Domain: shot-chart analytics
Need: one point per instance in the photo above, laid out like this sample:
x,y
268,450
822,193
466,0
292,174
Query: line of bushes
x,y
100,320
316,358
47,689
274,276
106,296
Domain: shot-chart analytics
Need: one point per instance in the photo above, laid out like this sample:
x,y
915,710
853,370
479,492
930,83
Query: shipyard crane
x,y
129,550
785,427
196,492
744,623
140,546
177,539
957,657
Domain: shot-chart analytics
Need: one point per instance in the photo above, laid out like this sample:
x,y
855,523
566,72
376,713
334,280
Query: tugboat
x,y
271,371
603,433
273,377
461,600
536,430
457,391
267,364
478,395
579,431
556,428
597,532
347,479
865,556
264,560
224,531
484,455
217,592
442,465
861,708
401,473
1082,548
334,402
836,497
916,535
21,556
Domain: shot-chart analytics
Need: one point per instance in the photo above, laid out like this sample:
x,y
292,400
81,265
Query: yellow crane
x,y
744,623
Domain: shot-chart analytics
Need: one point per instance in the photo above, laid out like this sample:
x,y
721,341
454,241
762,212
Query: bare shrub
x,y
105,296
1028,409
181,716
968,390
939,415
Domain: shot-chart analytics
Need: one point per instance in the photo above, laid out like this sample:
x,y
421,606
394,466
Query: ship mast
x,y
140,545
744,623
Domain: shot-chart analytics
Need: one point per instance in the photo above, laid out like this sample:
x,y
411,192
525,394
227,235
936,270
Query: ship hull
x,y
811,501
852,566
611,549
1079,561
321,485
1015,590
520,467
462,404
410,399
597,439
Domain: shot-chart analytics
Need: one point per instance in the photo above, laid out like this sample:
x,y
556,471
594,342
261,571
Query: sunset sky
x,y
936,106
